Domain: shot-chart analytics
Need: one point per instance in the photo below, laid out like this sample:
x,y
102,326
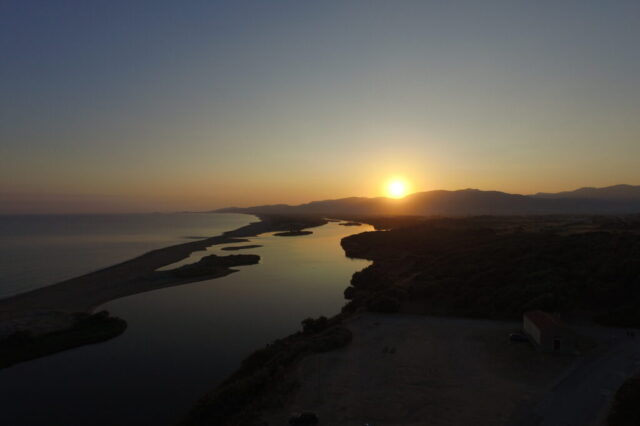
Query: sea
x,y
182,341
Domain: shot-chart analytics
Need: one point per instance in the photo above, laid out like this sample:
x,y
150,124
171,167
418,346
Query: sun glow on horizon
x,y
397,188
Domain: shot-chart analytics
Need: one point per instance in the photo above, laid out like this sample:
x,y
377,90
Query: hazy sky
x,y
175,105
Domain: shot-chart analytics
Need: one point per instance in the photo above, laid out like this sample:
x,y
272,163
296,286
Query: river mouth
x,y
182,341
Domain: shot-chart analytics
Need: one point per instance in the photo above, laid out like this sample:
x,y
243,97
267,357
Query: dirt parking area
x,y
417,370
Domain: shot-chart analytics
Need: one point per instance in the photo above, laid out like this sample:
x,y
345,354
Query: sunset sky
x,y
126,106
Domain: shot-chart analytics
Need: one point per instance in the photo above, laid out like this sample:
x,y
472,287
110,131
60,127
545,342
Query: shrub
x,y
624,316
382,302
625,410
311,326
333,338
349,293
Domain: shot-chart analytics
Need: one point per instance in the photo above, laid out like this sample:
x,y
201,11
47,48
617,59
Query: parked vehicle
x,y
518,337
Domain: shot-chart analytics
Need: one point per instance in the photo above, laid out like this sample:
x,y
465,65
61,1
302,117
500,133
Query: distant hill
x,y
616,192
619,199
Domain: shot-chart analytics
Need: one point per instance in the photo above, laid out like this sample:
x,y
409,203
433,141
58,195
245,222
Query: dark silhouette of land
x,y
137,275
499,268
496,256
83,329
245,247
487,267
619,199
295,233
212,266
50,319
611,193
625,410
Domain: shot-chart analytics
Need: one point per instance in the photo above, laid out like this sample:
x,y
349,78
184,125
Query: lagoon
x,y
182,341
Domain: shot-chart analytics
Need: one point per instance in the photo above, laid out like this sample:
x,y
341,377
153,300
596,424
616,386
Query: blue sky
x,y
158,105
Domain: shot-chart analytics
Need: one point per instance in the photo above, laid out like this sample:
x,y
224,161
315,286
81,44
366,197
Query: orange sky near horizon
x,y
110,108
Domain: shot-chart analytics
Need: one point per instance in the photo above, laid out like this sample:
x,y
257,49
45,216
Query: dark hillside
x,y
462,267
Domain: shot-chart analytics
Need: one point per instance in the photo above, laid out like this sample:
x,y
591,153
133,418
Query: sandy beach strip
x,y
86,292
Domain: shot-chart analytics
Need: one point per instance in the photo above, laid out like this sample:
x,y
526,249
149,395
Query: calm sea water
x,y
38,250
182,341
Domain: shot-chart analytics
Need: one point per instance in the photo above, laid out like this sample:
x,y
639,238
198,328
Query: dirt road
x,y
416,371
581,397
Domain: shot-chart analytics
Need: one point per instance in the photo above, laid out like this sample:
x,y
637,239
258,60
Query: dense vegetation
x,y
491,267
294,233
87,329
245,247
213,265
464,267
260,379
625,410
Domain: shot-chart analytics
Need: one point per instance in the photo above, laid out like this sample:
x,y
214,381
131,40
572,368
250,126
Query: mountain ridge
x,y
619,192
616,199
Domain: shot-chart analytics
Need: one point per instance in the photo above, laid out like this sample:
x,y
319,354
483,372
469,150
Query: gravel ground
x,y
417,370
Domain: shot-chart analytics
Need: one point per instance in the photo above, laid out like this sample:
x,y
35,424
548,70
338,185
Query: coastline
x,y
287,374
386,315
40,313
86,292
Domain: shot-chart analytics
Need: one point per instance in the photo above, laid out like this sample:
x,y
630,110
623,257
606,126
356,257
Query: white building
x,y
548,332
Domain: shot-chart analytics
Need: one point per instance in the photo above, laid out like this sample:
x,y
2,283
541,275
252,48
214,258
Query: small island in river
x,y
213,266
234,248
295,233
54,318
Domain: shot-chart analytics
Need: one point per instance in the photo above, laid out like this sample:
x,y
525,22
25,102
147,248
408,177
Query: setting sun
x,y
397,188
